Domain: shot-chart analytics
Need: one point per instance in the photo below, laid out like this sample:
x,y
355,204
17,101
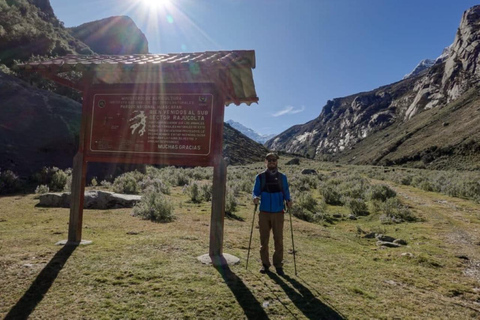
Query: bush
x,y
395,212
357,207
302,214
206,191
55,178
381,193
154,207
230,202
306,201
331,196
193,191
128,183
41,189
154,184
59,180
9,182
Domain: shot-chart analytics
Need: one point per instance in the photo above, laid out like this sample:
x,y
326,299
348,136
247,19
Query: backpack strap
x,y
263,181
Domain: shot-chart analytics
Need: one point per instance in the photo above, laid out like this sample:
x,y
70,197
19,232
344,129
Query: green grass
x,y
137,269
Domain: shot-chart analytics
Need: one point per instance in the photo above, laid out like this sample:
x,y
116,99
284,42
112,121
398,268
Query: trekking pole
x,y
251,232
293,243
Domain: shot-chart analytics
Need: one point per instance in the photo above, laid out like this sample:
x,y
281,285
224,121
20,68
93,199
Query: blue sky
x,y
307,51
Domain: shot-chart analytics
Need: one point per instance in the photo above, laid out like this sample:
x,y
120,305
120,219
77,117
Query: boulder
x,y
94,199
293,161
309,171
400,241
382,237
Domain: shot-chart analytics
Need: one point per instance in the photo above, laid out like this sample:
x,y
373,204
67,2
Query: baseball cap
x,y
271,155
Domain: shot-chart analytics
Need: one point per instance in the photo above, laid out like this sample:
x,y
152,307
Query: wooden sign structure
x,y
154,109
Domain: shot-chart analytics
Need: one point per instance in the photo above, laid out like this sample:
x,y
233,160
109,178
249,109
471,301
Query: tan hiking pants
x,y
271,221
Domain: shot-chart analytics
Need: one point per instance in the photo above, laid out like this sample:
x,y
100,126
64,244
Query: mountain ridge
x,y
383,127
252,134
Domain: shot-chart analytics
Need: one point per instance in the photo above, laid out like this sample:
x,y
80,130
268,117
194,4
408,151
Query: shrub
x,y
59,180
68,184
106,184
180,178
154,184
206,191
331,195
154,207
381,193
230,202
395,212
9,182
357,207
55,178
41,189
194,192
353,187
128,183
302,214
306,201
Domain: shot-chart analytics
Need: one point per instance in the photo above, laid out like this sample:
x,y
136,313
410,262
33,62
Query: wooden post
x,y
218,208
77,198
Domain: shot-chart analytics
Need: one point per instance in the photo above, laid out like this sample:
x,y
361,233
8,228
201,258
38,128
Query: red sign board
x,y
159,123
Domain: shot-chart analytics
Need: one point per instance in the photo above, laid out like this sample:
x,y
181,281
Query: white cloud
x,y
288,110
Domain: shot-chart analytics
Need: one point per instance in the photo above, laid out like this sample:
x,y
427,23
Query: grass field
x,y
138,269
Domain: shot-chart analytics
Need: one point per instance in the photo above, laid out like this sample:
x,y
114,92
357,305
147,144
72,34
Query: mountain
x,y
431,119
261,138
114,35
29,28
423,65
39,127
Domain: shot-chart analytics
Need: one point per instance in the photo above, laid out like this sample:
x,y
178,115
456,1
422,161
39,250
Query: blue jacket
x,y
271,202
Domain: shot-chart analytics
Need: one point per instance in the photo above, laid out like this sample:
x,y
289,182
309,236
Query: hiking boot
x,y
280,271
264,269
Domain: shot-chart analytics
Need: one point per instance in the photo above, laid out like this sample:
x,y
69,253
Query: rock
x,y
370,235
352,217
387,244
309,171
382,237
400,241
94,199
407,254
293,161
55,200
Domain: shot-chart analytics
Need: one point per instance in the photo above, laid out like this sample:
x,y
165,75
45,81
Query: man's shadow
x,y
304,300
250,305
40,286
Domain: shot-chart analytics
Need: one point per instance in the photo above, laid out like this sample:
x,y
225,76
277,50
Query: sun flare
x,y
154,4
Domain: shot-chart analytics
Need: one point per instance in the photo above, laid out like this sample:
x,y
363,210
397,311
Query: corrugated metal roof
x,y
231,70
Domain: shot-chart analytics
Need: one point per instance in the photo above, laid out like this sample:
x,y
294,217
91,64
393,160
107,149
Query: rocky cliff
x,y
114,35
428,119
29,28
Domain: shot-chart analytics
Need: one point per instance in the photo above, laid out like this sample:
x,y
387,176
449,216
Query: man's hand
x,y
289,204
256,201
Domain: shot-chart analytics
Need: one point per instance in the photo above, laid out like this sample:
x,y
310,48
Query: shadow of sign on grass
x,y
250,305
305,300
40,286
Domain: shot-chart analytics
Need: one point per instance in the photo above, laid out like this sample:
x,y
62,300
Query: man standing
x,y
271,190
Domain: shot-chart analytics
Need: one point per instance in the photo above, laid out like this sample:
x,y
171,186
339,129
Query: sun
x,y
154,4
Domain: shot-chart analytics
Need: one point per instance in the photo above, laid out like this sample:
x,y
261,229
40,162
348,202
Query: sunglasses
x,y
272,160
